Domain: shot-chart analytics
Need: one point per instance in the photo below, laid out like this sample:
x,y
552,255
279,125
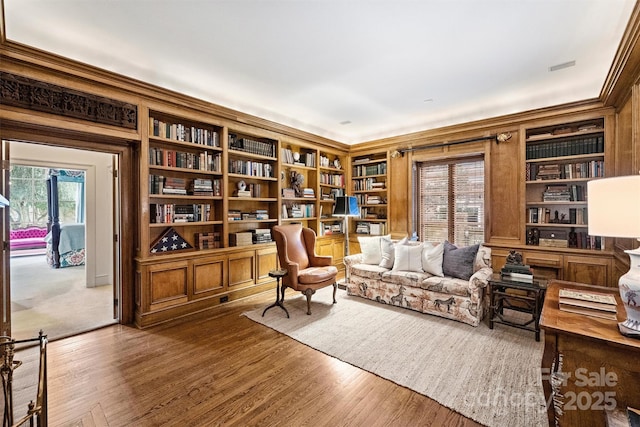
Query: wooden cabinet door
x,y
209,276
266,260
167,284
242,271
587,269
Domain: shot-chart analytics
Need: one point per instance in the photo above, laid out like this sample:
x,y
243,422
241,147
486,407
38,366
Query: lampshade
x,y
346,206
614,211
3,202
614,206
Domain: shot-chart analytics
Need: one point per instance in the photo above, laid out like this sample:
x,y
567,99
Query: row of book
x,y
542,172
329,228
372,228
184,133
371,213
332,194
367,170
205,161
238,215
171,213
325,162
298,210
539,215
251,168
208,240
363,184
159,184
566,147
252,146
304,159
590,303
563,193
336,179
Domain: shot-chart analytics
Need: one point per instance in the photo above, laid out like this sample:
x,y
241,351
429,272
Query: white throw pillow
x,y
371,249
432,257
408,258
388,248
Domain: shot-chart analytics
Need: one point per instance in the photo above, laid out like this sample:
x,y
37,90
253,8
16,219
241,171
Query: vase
x,y
629,285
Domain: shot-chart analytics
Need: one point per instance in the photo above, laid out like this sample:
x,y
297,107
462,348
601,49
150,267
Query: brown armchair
x,y
307,271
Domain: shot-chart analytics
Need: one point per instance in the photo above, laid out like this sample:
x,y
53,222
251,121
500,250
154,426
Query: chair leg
x,y
308,293
335,287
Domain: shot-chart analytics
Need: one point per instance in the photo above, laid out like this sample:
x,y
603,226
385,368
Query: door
x,y
5,325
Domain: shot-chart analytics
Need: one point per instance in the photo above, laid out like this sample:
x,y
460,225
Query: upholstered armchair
x,y
307,271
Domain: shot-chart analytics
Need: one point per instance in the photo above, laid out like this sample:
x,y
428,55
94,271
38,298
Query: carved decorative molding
x,y
23,92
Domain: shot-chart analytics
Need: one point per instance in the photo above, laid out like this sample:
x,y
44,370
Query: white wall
x,y
99,199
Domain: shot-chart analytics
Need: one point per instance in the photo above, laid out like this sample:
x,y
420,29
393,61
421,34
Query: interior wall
x,y
99,197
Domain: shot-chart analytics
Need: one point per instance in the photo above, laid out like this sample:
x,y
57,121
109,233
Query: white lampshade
x,y
614,206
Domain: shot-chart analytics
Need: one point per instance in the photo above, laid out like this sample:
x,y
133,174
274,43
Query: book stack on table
x,y
517,273
590,303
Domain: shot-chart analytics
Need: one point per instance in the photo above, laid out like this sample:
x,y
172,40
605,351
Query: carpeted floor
x,y
55,300
491,376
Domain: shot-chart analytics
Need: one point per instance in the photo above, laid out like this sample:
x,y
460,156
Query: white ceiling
x,y
386,67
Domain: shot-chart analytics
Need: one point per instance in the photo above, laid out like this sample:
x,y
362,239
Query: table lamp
x,y
346,206
614,211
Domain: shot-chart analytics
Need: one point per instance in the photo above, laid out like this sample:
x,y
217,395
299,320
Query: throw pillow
x,y
458,262
432,257
408,258
388,248
371,249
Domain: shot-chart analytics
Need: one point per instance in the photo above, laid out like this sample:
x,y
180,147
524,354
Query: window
x,y
450,201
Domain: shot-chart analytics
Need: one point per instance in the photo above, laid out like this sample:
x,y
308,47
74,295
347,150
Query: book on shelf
x,y
590,303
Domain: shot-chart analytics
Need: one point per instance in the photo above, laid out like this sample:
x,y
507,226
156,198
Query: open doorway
x,y
62,283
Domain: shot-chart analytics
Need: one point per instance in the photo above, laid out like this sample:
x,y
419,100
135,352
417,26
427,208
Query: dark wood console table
x,y
588,367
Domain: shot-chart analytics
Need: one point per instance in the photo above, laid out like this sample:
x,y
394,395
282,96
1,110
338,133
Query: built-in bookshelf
x,y
332,183
185,179
299,184
252,188
560,160
369,183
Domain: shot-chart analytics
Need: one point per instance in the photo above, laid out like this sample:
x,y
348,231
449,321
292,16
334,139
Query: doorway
x,y
74,291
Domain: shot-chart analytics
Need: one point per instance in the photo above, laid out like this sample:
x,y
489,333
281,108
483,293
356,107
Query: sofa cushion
x,y
371,249
446,285
408,258
367,270
410,279
388,249
432,258
459,262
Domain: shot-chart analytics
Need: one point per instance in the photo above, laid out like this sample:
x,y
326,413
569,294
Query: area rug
x,y
490,376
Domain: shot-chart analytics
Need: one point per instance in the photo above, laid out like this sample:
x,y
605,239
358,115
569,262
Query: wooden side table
x,y
278,274
588,366
519,296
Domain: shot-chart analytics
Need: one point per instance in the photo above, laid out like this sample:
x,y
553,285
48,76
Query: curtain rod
x,y
500,137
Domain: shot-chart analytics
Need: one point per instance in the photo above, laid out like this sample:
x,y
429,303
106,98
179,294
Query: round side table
x,y
278,274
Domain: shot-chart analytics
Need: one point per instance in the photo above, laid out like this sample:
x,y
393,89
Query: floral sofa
x,y
438,279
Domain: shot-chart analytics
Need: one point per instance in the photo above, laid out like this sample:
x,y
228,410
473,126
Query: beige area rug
x,y
490,376
55,300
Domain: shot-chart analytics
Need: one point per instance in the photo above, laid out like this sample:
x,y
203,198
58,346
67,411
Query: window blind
x,y
451,201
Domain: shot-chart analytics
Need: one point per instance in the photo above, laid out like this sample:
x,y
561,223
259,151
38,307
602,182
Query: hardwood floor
x,y
220,370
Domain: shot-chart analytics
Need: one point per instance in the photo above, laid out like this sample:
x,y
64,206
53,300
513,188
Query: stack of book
x,y
590,303
234,215
308,193
262,235
201,187
174,186
517,273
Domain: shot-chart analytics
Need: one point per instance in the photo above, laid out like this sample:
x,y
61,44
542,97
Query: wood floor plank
x,y
222,369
